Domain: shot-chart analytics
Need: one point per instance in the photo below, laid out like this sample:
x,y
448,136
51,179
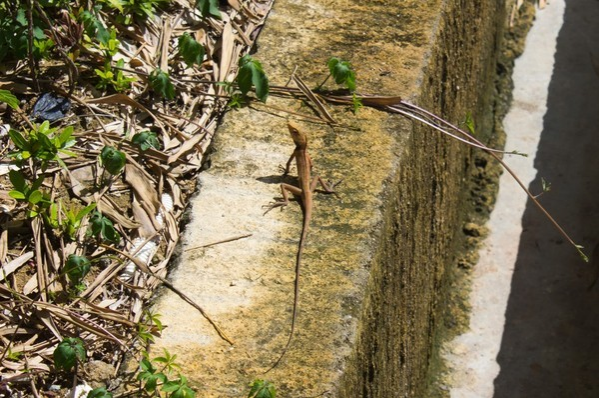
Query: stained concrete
x,y
534,324
375,262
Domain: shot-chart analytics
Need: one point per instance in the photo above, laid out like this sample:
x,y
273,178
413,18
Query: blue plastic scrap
x,y
50,107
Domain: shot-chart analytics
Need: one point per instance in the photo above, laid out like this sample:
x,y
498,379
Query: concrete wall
x,y
374,270
422,210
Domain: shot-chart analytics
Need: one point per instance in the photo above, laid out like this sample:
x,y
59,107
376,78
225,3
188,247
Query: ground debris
x,y
66,195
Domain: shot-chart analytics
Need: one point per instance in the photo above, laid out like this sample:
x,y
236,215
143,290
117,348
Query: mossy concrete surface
x,y
376,258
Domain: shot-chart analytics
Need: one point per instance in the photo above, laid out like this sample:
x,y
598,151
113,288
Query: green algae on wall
x,y
408,276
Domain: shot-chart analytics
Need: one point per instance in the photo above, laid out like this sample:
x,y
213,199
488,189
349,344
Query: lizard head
x,y
299,138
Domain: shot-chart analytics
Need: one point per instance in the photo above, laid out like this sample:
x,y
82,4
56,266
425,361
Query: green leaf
x,y
208,7
21,18
149,375
469,122
35,197
52,216
191,51
99,392
37,183
85,211
76,267
146,366
178,388
38,33
9,98
94,27
251,74
102,228
116,4
161,83
146,140
19,140
44,128
262,389
47,146
67,353
16,195
112,159
65,139
343,73
184,392
17,180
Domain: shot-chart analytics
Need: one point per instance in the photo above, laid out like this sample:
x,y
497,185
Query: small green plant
x,y
151,327
356,103
150,376
36,199
42,48
178,388
191,51
262,389
114,77
76,267
102,228
145,140
14,355
93,26
155,380
110,46
42,144
72,222
99,392
143,8
342,72
126,10
112,160
237,99
168,362
14,37
68,352
251,74
208,8
161,84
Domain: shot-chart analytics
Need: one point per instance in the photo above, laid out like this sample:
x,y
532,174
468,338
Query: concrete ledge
x,y
375,262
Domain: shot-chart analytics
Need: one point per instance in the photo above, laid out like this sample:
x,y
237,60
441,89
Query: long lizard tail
x,y
298,262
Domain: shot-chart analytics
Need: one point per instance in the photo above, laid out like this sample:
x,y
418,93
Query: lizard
x,y
307,185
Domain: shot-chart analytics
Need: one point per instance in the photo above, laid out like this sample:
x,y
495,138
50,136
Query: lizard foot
x,y
273,205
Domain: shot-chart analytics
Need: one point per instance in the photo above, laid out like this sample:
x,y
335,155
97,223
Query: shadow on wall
x,y
550,345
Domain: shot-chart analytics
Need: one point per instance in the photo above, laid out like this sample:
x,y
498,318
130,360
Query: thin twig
x,y
218,242
511,172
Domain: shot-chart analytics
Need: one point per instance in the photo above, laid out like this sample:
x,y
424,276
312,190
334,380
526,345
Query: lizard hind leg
x,y
285,188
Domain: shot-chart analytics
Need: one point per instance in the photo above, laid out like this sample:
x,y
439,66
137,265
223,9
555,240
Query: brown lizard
x,y
307,186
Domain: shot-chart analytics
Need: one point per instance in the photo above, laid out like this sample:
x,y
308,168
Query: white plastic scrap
x,y
167,206
80,391
4,129
144,255
147,252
